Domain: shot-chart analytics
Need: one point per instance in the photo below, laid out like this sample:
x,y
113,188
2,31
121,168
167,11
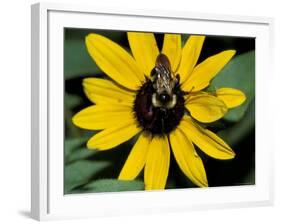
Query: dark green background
x,y
93,171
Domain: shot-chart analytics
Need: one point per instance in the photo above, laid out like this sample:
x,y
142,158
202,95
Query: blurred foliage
x,y
236,132
77,61
110,185
81,172
239,73
93,171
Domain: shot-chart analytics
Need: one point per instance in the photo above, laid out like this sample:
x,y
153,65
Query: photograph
x,y
148,111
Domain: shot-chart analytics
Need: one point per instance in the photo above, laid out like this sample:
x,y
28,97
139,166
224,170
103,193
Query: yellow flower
x,y
161,97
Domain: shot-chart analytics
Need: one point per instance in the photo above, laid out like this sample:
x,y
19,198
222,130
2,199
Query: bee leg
x,y
178,78
162,125
164,115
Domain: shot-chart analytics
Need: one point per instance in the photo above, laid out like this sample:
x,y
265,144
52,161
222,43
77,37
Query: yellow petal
x,y
187,159
157,165
136,160
172,49
144,49
206,140
114,61
190,54
206,71
205,107
113,136
99,117
231,97
101,91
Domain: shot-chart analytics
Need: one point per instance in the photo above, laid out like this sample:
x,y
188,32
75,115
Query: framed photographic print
x,y
148,111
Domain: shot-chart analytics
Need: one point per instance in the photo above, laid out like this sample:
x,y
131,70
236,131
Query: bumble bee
x,y
159,103
164,82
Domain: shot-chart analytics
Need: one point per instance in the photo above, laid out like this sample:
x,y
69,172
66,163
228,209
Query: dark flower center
x,y
157,113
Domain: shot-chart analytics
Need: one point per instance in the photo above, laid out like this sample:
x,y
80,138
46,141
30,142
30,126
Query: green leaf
x,y
71,145
81,172
77,61
80,153
184,38
112,185
71,131
236,132
72,100
239,73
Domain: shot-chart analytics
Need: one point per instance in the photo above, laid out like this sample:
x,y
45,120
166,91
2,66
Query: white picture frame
x,y
48,201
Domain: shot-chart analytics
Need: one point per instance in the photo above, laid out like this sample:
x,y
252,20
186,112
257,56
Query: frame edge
x,y
39,114
39,204
35,177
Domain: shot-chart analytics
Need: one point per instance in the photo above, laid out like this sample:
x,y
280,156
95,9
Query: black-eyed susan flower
x,y
160,97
